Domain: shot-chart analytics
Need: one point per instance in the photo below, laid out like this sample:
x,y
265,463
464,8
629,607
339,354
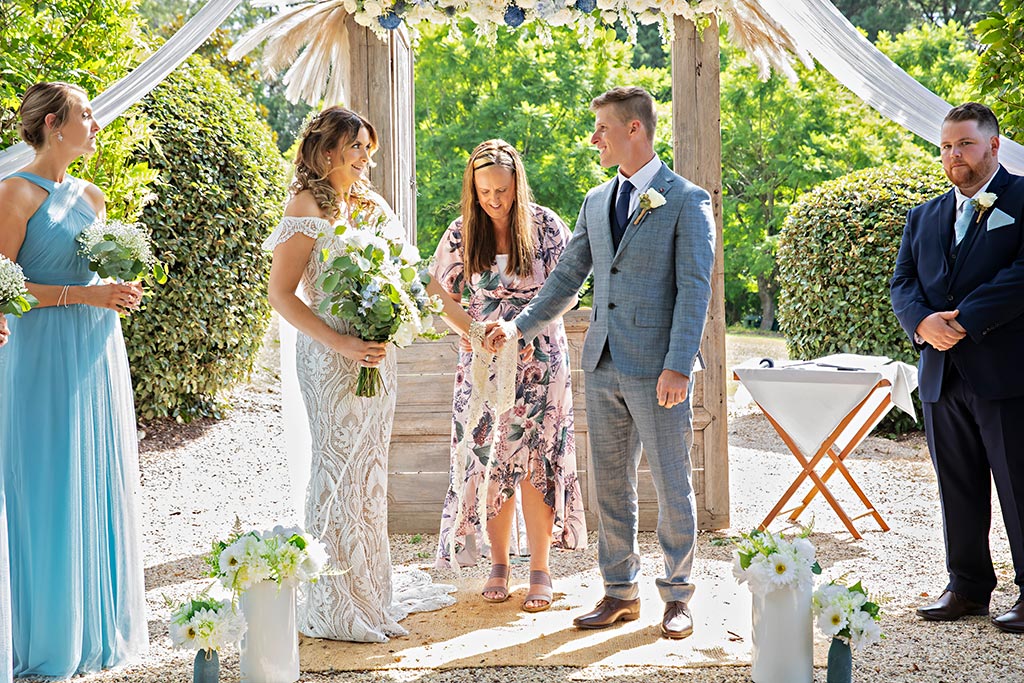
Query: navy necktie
x,y
621,212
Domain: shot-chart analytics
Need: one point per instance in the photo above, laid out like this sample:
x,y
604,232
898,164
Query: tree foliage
x,y
533,95
999,72
91,43
780,139
895,16
221,193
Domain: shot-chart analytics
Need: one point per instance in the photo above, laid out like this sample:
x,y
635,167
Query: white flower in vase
x,y
832,620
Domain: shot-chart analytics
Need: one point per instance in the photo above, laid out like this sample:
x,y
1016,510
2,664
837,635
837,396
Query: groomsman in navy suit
x,y
958,291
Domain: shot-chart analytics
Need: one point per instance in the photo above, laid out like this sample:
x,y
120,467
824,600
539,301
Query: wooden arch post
x,y
697,150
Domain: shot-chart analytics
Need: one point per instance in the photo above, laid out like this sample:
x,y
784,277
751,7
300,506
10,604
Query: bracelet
x,y
63,296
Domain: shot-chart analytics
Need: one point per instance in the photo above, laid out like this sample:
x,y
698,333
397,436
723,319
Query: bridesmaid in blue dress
x,y
5,583
68,444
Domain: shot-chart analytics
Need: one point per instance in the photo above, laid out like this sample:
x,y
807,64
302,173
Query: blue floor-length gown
x,y
69,452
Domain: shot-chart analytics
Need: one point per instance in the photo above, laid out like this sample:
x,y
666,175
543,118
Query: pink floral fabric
x,y
535,438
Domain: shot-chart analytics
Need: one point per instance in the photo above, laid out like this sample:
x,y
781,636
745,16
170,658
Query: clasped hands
x,y
672,389
941,330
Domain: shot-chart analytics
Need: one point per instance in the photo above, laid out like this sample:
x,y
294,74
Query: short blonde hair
x,y
629,103
41,100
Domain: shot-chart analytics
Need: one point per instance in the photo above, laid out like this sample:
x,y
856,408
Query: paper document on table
x,y
852,361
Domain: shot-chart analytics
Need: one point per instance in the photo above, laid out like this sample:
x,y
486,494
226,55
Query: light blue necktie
x,y
964,222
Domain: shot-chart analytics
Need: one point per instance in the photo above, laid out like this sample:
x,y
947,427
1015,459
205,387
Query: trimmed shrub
x,y
836,256
221,192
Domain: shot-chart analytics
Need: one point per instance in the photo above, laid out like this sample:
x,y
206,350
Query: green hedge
x,y
836,255
221,191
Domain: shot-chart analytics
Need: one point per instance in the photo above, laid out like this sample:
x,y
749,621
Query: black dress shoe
x,y
677,623
1012,621
951,606
609,611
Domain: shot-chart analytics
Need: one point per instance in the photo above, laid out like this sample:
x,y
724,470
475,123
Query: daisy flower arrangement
x,y
767,562
847,613
203,623
279,555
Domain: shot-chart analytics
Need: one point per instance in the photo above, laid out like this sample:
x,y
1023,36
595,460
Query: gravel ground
x,y
198,478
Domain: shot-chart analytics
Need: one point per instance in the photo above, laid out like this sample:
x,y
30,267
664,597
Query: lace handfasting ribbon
x,y
501,396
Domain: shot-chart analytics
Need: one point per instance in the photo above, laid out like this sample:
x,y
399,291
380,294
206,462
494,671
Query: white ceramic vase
x,y
270,648
782,636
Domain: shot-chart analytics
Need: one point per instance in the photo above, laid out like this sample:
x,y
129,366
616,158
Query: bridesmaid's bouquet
x,y
203,623
121,251
278,555
14,297
374,285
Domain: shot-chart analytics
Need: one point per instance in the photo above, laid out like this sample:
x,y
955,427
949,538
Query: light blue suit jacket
x,y
651,296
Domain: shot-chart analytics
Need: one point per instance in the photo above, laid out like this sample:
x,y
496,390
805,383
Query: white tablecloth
x,y
809,399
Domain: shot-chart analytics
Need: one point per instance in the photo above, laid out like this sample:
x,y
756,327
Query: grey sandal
x,y
540,587
497,582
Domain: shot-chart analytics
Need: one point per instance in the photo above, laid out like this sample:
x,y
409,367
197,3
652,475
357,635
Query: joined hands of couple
x,y
672,386
941,330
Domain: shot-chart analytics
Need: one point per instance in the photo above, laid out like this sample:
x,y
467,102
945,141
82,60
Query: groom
x,y
648,236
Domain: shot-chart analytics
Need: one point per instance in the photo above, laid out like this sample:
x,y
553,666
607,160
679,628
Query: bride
x,y
346,500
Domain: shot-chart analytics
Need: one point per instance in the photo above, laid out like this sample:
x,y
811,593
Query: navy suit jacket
x,y
985,282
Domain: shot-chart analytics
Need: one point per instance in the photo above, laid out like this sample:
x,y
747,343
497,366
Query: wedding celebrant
x,y
648,237
958,292
497,255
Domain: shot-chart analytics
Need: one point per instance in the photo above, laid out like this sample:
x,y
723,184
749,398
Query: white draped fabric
x,y
116,99
818,27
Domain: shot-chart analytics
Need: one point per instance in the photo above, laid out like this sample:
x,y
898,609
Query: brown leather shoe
x,y
677,623
1012,621
609,611
951,606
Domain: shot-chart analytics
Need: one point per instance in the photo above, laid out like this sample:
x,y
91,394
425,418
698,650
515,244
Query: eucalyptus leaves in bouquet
x,y
371,281
120,251
14,296
279,555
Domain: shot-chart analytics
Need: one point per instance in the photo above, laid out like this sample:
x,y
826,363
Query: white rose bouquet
x,y
374,285
121,251
279,555
203,623
768,562
846,612
14,297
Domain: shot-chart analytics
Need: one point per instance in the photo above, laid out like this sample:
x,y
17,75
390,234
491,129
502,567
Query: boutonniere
x,y
651,199
983,202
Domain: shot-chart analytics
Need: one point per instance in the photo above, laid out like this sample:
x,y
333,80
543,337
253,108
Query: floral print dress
x,y
535,439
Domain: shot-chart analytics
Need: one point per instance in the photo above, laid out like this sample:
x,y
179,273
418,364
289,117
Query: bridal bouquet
x,y
768,562
373,284
121,251
14,297
279,555
845,612
203,623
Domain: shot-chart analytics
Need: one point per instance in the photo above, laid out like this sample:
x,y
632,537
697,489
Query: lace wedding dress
x,y
346,499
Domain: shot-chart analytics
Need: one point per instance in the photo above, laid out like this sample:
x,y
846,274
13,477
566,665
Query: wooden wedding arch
x,y
380,86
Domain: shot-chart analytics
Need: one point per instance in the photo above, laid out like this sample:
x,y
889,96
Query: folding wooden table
x,y
823,409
